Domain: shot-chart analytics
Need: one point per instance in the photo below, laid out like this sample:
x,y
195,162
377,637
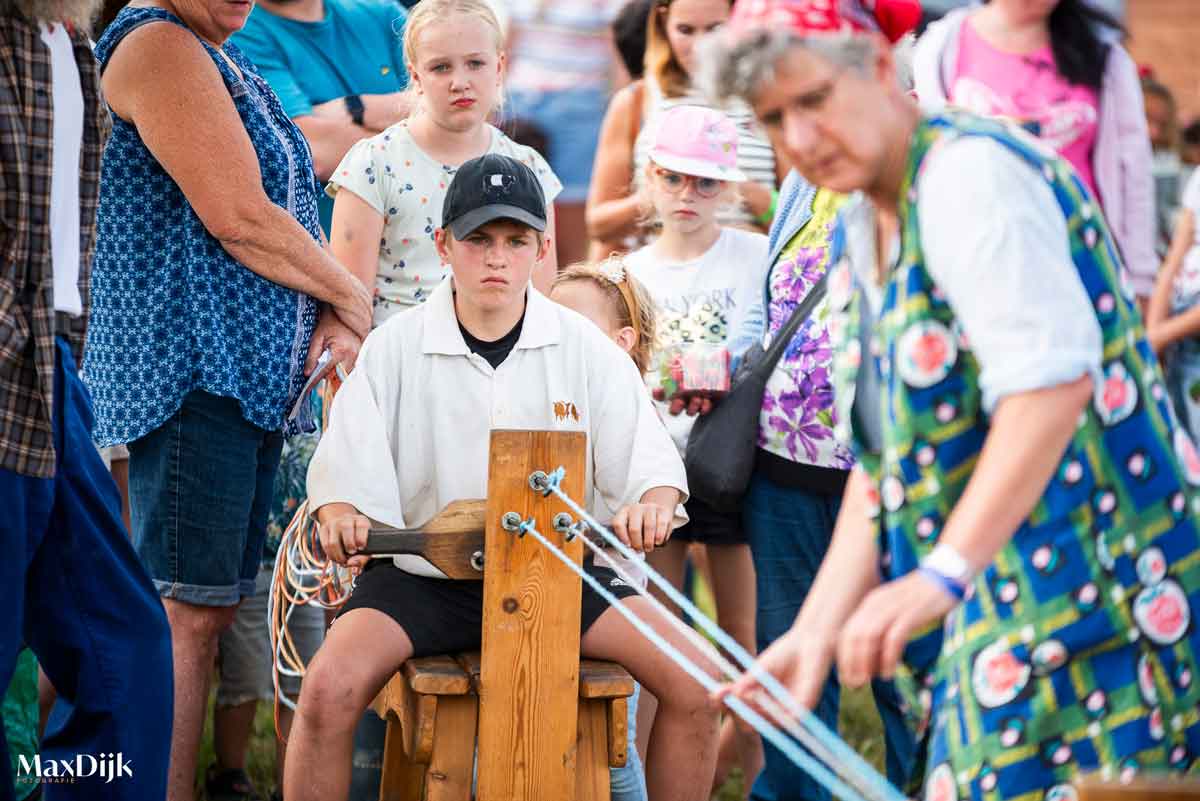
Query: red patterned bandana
x,y
893,18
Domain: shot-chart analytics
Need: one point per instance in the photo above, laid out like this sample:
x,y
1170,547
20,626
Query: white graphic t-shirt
x,y
698,301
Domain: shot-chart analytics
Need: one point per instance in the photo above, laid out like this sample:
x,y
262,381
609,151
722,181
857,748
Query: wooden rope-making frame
x,y
524,719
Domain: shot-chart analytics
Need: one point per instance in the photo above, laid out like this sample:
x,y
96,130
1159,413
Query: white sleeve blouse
x,y
996,243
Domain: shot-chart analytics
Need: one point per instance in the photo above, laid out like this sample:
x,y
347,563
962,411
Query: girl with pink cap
x,y
699,274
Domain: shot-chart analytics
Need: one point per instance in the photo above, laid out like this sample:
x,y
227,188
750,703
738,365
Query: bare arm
x,y
612,208
164,83
379,111
331,132
330,140
354,235
1163,329
1029,433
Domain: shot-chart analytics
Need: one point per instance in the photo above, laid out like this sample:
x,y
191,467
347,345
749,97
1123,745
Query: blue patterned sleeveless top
x,y
172,311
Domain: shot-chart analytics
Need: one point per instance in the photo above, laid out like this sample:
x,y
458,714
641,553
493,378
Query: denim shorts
x,y
200,488
570,120
244,653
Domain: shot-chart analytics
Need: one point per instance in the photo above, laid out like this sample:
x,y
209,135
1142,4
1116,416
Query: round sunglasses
x,y
673,183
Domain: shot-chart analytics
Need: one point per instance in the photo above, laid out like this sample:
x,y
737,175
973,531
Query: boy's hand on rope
x,y
343,535
643,526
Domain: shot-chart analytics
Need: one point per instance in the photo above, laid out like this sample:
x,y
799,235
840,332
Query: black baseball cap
x,y
493,187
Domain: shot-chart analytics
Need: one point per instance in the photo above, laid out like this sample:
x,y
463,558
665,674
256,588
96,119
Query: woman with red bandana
x,y
1018,543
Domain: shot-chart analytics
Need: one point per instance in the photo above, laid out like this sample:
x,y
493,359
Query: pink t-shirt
x,y
1028,89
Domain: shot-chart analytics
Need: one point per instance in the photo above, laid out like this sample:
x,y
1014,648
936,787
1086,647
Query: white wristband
x,y
947,561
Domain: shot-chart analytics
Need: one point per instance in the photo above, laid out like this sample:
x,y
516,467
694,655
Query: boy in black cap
x,y
408,434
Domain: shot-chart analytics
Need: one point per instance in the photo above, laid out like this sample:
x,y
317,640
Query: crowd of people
x,y
970,464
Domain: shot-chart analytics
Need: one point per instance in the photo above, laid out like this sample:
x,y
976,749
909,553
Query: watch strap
x,y
354,105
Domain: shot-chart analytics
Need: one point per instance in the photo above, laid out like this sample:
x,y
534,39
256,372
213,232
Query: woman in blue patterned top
x,y
209,277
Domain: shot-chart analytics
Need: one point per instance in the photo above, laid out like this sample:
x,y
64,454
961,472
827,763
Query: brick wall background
x,y
1166,35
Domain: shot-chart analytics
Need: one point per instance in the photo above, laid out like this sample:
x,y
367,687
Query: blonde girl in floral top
x,y
388,190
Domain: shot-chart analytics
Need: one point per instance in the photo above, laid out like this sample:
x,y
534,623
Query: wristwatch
x,y
354,106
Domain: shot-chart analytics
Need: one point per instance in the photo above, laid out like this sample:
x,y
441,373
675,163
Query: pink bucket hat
x,y
694,140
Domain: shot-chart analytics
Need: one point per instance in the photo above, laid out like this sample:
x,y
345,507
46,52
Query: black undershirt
x,y
497,351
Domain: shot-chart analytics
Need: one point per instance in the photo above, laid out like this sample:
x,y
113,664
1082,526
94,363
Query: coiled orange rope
x,y
303,575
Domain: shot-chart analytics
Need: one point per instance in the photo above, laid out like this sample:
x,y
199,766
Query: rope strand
x,y
850,765
768,731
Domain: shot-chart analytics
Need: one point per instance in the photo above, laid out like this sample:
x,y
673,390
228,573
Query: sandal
x,y
229,785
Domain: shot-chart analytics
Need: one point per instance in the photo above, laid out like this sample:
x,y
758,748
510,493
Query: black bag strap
x,y
802,312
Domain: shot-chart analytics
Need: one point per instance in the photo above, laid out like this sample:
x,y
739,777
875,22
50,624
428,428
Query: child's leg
x,y
360,653
628,783
683,746
733,589
669,561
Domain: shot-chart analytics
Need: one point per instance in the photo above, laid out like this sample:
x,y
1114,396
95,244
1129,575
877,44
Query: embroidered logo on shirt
x,y
565,409
617,582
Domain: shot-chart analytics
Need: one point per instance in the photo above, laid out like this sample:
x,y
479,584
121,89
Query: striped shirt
x,y
564,44
756,158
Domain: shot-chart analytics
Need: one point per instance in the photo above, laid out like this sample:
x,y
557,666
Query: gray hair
x,y
80,13
735,69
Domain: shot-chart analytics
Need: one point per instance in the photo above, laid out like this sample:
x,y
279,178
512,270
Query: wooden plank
x,y
472,663
414,714
448,541
436,675
591,771
401,778
618,731
529,680
388,702
1092,788
604,680
452,768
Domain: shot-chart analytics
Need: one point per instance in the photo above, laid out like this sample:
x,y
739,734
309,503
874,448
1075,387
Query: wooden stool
x,y
432,708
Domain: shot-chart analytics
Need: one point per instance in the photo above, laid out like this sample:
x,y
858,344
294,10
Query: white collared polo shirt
x,y
410,429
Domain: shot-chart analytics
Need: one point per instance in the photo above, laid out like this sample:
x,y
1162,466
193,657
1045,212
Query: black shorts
x,y
708,526
442,616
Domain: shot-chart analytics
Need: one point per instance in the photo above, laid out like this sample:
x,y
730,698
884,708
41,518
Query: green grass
x,y
859,725
260,757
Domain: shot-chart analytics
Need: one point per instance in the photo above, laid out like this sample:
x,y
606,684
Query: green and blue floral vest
x,y
1098,589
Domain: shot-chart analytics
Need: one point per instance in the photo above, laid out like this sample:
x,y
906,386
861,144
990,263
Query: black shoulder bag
x,y
722,443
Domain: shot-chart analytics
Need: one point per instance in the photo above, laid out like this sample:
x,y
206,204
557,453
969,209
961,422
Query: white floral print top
x,y
408,187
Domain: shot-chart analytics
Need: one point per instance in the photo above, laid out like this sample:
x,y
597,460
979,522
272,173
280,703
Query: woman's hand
x,y
756,198
874,638
354,307
331,333
1158,337
800,660
343,533
693,401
